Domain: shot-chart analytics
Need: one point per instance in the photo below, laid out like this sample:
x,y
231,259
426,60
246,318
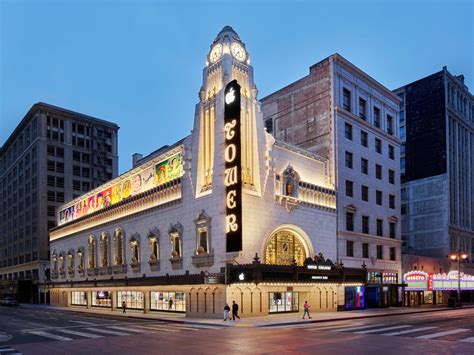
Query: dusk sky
x,y
139,63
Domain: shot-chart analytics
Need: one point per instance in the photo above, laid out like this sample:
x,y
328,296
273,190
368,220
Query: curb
x,y
363,317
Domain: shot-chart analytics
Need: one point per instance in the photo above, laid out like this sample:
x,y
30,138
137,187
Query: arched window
x,y
104,249
70,261
175,233
118,241
135,249
91,244
80,259
62,263
54,262
153,242
203,226
291,181
285,248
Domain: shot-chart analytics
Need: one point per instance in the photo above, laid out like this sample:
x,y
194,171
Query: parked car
x,y
9,301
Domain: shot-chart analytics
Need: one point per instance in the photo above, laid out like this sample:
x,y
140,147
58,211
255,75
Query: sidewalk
x,y
264,321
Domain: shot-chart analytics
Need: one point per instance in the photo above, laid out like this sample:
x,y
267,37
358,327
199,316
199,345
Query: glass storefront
x,y
78,298
168,301
283,302
133,299
102,299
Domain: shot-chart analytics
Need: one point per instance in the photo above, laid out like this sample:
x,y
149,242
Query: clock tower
x,y
227,60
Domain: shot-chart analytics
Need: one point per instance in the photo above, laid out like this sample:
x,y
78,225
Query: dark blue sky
x,y
139,63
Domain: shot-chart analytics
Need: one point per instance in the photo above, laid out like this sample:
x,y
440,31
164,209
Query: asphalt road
x,y
47,331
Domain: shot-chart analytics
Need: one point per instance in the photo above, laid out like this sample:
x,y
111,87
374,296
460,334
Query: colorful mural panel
x,y
147,179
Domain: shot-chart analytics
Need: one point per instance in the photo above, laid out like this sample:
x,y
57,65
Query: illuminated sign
x,y
233,168
422,281
319,277
319,267
124,188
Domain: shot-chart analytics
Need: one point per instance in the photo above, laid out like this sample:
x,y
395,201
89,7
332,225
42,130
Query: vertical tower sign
x,y
233,168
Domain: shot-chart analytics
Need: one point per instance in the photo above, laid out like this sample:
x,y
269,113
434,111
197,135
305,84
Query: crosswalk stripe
x,y
409,331
467,340
81,334
157,327
81,322
440,334
382,329
127,329
105,331
49,335
330,327
3,349
359,327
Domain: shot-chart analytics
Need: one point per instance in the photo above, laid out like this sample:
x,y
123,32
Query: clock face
x,y
216,53
238,51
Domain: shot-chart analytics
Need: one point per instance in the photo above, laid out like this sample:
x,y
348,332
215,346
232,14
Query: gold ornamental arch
x,y
287,244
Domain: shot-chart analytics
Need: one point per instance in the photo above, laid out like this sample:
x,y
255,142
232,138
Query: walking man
x,y
124,307
235,310
306,309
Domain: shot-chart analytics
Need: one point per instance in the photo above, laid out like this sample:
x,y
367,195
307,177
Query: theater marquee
x,y
233,168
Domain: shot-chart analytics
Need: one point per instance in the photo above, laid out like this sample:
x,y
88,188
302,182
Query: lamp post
x,y
458,256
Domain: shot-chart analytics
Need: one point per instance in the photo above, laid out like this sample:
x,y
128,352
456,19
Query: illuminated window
x,y
135,249
203,223
104,250
153,242
92,252
70,260
54,262
285,248
118,241
175,233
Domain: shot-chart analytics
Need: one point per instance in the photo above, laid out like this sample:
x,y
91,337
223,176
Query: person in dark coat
x,y
235,310
124,306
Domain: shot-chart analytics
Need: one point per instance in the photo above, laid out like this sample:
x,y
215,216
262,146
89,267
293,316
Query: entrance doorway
x,y
282,302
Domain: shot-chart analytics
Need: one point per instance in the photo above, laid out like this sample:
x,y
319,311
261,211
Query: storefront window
x,y
133,299
284,248
283,302
168,301
374,277
354,297
78,298
102,299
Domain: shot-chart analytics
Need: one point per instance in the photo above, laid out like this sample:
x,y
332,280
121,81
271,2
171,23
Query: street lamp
x,y
459,256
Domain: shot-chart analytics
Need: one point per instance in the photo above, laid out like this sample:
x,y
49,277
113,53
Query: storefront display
x,y
280,302
78,298
354,297
133,299
168,301
102,299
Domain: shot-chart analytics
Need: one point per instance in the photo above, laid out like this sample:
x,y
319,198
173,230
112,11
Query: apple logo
x,y
230,97
242,277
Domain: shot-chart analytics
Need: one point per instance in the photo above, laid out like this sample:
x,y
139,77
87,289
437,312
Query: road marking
x,y
81,334
9,349
356,328
330,327
440,334
81,322
409,331
49,335
105,331
157,327
382,329
467,340
128,329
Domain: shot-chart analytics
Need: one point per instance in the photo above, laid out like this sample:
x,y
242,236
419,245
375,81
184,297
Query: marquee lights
x,y
233,168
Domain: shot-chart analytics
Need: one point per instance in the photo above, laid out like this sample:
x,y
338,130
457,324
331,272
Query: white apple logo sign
x,y
230,97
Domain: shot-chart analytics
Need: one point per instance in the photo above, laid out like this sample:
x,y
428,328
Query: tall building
x,y
229,213
437,165
53,156
339,112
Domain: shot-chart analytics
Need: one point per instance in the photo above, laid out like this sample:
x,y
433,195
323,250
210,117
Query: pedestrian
x,y
124,306
235,310
226,311
306,309
170,303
